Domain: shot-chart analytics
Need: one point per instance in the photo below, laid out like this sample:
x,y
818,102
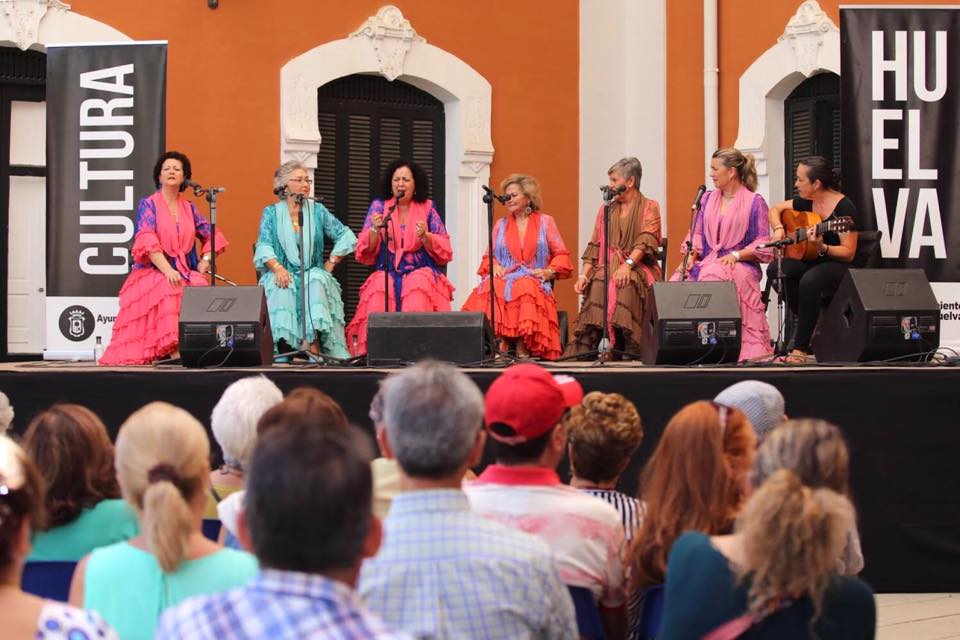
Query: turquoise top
x,y
129,589
108,522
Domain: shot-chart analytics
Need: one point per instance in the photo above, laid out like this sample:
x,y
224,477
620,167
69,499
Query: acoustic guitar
x,y
795,224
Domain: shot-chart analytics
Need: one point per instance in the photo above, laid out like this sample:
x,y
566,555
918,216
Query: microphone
x,y
609,193
504,199
400,194
197,189
281,191
779,243
702,189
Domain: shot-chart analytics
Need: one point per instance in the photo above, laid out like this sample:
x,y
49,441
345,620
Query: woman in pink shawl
x,y
730,225
164,261
417,247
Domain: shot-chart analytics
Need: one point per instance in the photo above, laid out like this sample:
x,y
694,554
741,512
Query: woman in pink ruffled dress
x,y
416,250
165,260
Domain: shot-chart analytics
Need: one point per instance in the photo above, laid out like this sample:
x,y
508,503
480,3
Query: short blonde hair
x,y
162,460
528,185
603,431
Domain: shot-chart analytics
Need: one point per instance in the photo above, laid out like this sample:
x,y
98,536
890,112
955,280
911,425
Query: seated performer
x,y
807,284
164,261
417,247
728,228
632,256
278,256
529,255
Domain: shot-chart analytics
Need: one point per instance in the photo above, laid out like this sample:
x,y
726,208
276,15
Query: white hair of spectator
x,y
761,402
432,413
6,412
234,418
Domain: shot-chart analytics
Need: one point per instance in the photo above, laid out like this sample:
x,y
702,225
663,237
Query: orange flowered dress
x,y
524,305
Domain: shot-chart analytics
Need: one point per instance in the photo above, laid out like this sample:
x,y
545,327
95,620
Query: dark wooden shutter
x,y
367,122
811,124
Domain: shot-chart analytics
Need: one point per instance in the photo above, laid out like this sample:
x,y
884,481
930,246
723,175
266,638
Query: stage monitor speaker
x,y
457,337
879,314
691,323
225,326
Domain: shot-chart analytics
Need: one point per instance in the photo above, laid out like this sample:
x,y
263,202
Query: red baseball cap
x,y
529,400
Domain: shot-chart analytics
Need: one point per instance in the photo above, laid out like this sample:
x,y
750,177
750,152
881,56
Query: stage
x,y
899,423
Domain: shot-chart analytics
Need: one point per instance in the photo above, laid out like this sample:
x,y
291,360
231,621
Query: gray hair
x,y
432,413
627,167
6,412
234,418
761,402
284,171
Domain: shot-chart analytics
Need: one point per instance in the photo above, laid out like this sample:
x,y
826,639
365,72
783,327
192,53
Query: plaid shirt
x,y
276,604
446,572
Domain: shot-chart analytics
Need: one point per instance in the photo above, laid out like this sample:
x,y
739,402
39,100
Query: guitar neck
x,y
800,235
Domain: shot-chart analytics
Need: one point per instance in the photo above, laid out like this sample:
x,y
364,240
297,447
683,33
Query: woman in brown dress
x,y
632,256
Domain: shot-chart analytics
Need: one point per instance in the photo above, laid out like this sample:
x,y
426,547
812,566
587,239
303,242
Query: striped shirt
x,y
276,604
585,534
446,572
629,508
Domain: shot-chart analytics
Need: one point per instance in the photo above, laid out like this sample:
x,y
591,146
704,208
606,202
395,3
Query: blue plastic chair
x,y
48,579
589,625
651,612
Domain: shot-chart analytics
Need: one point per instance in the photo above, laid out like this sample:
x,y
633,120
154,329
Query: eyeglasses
x,y
301,180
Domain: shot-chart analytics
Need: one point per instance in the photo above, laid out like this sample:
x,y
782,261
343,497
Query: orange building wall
x,y
747,28
223,88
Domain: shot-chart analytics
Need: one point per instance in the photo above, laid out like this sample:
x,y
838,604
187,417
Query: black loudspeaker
x,y
879,314
225,326
691,323
458,337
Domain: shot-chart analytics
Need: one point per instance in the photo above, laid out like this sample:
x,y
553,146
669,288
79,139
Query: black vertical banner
x,y
900,85
106,119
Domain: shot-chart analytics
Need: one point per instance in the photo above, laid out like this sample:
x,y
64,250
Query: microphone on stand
x,y
197,189
779,243
281,191
504,199
609,193
396,201
702,189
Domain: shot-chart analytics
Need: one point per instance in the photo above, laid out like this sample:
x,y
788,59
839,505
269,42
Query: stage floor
x,y
900,423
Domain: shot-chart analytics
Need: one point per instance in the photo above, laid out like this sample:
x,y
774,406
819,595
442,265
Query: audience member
x,y
162,460
603,433
234,425
761,402
72,450
386,471
815,451
6,413
775,577
523,412
696,479
308,518
444,571
24,616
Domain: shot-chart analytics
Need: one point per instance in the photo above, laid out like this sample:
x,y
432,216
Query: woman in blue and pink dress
x,y
728,229
417,248
165,260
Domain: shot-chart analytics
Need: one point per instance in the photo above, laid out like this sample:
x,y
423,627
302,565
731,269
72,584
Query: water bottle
x,y
98,350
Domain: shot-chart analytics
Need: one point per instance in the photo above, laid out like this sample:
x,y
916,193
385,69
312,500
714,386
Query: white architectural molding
x,y
23,17
33,24
810,44
388,45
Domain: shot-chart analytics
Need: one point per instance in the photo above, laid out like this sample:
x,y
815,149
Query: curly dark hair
x,y
175,155
421,181
72,450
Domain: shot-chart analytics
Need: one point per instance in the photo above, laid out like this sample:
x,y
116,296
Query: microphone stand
x,y
694,210
488,197
385,238
780,346
604,350
211,198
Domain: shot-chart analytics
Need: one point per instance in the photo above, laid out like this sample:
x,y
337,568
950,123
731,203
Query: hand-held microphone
x,y
702,189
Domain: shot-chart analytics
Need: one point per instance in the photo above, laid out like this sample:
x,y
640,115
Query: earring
x,y
528,209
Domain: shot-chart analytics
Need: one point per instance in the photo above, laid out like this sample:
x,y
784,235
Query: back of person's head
x,y
21,500
793,535
432,413
522,407
6,413
73,452
163,463
696,479
812,449
308,496
603,433
761,402
303,401
235,416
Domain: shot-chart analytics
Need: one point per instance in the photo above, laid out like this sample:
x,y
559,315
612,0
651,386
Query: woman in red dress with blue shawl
x,y
417,248
529,256
165,260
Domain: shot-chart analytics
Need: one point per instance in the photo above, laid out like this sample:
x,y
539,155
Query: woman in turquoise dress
x,y
277,256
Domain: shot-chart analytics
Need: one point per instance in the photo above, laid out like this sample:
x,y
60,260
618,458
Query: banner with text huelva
x,y
106,127
900,88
